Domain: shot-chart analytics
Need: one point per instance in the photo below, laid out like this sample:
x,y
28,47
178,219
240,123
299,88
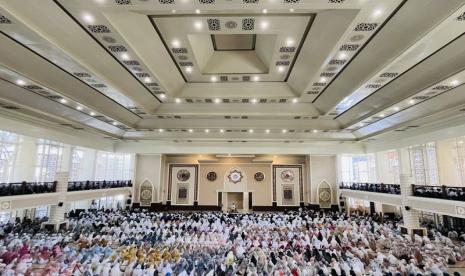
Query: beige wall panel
x,y
323,168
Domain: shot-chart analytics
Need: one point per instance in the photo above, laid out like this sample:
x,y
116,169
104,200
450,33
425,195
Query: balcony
x,y
74,186
393,189
27,188
439,192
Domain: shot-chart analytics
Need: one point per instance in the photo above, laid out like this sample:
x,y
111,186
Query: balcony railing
x,y
27,188
372,187
96,185
441,192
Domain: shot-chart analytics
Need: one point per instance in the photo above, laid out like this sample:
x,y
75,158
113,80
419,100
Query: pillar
x,y
57,212
245,202
411,217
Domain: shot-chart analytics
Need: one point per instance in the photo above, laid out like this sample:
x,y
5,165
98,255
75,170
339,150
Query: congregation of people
x,y
304,242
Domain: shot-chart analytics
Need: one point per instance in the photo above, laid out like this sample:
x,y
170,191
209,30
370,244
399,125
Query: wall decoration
x,y
235,176
287,176
5,206
211,176
183,175
145,193
259,176
324,195
288,195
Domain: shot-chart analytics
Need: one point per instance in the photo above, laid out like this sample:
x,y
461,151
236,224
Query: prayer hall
x,y
232,137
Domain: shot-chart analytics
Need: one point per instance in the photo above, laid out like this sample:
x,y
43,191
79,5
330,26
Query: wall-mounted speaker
x,y
407,208
60,204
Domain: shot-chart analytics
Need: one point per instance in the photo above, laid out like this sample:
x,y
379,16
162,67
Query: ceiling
x,y
184,71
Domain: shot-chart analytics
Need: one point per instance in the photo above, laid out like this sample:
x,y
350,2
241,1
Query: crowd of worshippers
x,y
95,185
373,187
444,192
212,243
27,188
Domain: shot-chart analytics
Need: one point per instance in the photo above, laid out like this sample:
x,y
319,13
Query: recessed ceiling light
x,y
163,95
177,100
100,1
291,10
377,12
79,107
207,130
455,82
254,101
342,55
114,123
20,82
250,130
63,101
411,101
221,130
265,11
213,78
295,100
264,25
217,100
124,56
189,69
191,130
315,130
88,18
147,80
198,25
381,115
323,79
267,131
256,78
284,130
289,42
197,11
460,142
176,43
396,108
92,113
160,130
173,11
281,69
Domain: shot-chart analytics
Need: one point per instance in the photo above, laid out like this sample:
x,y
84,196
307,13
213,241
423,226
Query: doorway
x,y
250,201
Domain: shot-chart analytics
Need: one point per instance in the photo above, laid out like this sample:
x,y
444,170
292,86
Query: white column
x,y
411,217
245,202
57,213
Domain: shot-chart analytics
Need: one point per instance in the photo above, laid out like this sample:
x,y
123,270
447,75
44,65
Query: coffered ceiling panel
x,y
233,72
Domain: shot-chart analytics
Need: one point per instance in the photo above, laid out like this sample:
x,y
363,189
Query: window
x,y
358,168
114,166
8,150
5,217
76,171
393,165
41,212
48,159
424,164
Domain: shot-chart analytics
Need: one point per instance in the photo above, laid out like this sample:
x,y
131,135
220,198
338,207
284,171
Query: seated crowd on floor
x,y
212,243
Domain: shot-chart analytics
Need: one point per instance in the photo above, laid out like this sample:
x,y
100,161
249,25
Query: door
x,y
250,201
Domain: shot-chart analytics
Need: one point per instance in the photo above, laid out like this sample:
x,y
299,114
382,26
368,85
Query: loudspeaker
x,y
60,204
407,208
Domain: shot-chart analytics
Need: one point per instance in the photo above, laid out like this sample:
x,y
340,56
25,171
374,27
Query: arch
x,y
324,189
146,192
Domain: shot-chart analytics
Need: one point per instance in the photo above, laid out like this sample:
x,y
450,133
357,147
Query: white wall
x,y
323,168
148,167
